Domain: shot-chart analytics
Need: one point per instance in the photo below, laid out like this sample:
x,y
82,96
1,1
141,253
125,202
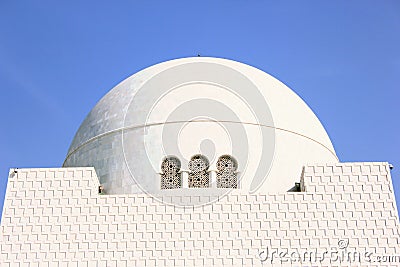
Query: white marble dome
x,y
200,105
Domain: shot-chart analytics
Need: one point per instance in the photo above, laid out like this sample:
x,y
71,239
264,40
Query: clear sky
x,y
58,58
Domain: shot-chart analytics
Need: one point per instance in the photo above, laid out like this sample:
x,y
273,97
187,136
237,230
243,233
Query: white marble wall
x,y
56,216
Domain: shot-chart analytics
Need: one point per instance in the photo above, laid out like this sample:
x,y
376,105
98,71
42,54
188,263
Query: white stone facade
x,y
56,217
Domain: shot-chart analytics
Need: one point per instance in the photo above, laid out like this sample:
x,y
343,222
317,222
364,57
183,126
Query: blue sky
x,y
57,59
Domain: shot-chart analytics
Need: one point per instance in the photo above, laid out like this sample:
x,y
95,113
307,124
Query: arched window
x,y
171,177
226,174
199,176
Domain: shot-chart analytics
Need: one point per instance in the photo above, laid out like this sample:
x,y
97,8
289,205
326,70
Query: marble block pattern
x,y
345,215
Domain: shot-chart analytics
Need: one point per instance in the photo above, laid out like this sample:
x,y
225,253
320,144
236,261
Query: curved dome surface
x,y
200,105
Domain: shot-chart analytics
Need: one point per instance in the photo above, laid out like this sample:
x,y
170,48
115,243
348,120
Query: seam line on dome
x,y
202,120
